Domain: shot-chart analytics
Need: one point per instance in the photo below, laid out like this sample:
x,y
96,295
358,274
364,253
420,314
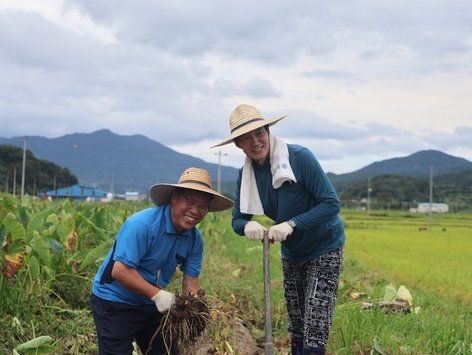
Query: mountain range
x,y
133,163
115,162
415,165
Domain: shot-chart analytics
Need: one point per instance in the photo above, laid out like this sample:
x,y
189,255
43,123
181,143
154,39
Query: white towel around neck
x,y
249,200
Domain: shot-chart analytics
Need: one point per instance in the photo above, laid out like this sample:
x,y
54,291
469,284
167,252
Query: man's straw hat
x,y
246,118
192,179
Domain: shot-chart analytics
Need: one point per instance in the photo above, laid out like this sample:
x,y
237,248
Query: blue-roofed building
x,y
75,192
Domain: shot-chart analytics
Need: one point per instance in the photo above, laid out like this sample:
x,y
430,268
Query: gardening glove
x,y
280,232
163,300
254,230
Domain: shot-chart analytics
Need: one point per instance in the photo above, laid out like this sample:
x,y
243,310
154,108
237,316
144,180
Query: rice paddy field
x,y
401,246
50,252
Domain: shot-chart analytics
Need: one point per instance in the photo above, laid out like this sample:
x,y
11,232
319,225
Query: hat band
x,y
195,182
246,123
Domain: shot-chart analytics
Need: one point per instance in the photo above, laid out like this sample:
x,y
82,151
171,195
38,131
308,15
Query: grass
x,y
382,249
437,261
441,326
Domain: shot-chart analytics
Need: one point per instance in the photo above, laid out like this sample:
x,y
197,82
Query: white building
x,y
132,196
435,207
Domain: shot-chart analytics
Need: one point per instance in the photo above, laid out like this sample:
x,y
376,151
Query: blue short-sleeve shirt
x,y
147,242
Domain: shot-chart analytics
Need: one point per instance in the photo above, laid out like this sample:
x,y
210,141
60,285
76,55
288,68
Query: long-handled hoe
x,y
268,345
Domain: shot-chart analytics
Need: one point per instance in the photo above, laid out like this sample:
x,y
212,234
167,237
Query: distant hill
x,y
414,165
110,161
403,182
40,174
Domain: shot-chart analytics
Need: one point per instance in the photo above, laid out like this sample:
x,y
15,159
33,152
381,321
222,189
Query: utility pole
x,y
219,169
6,182
431,197
14,181
112,184
23,168
369,190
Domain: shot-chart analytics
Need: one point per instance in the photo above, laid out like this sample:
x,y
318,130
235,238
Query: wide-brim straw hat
x,y
192,179
246,118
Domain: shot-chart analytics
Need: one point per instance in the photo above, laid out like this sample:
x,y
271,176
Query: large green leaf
x,y
95,254
34,344
52,219
41,247
33,266
99,217
389,294
404,294
14,227
49,272
13,245
36,223
23,216
100,233
7,204
42,350
3,233
66,226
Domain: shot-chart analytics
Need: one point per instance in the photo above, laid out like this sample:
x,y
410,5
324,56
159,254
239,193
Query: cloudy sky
x,y
360,81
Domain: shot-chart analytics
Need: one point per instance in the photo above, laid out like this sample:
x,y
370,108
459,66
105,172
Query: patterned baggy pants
x,y
310,295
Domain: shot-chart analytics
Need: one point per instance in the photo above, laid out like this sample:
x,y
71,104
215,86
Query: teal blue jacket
x,y
311,203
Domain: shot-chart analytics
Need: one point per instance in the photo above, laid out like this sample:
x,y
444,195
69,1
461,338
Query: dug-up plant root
x,y
185,321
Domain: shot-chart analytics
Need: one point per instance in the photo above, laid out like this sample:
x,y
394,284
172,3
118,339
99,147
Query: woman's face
x,y
255,144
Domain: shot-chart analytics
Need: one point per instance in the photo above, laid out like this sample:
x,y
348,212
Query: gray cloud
x,y
329,74
461,137
249,30
254,87
177,69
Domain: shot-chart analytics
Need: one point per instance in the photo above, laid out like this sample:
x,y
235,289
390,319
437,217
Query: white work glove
x,y
254,230
280,232
163,300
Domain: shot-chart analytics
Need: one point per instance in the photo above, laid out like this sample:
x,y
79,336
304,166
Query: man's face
x,y
188,207
255,144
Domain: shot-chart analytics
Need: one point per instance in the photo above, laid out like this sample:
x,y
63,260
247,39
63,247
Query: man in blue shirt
x,y
286,183
128,293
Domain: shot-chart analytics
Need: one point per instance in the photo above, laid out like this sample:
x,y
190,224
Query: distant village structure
x,y
75,192
424,207
132,196
89,194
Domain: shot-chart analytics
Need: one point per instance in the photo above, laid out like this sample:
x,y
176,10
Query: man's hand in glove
x,y
280,232
163,300
254,230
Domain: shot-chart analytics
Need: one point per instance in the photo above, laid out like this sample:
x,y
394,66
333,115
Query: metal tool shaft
x,y
268,345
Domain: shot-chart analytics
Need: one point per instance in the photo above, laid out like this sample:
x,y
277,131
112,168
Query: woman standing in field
x,y
128,295
286,183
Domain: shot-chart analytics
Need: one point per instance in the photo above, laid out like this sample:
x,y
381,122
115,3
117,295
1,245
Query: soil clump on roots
x,y
185,321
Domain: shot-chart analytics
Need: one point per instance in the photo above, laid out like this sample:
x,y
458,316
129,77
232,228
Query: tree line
x,y
40,174
391,191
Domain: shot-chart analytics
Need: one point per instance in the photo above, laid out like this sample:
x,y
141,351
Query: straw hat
x,y
192,179
246,118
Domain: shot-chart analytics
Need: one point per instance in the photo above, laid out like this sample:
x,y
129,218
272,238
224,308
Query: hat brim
x,y
161,194
248,128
